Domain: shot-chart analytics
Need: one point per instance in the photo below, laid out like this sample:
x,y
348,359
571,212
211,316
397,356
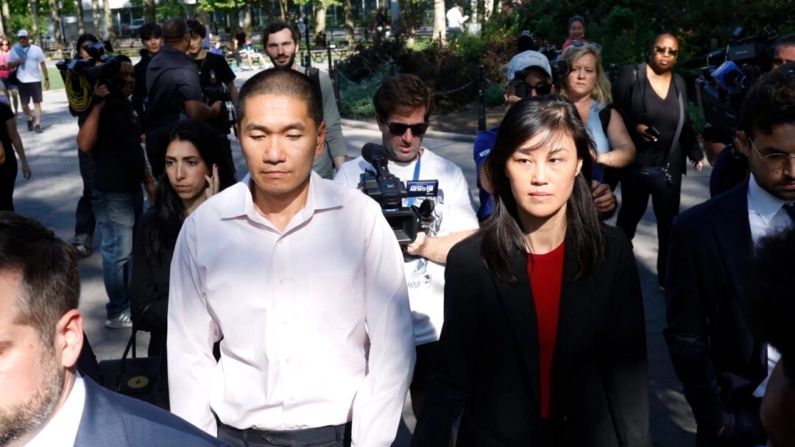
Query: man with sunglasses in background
x,y
528,74
403,105
723,365
27,58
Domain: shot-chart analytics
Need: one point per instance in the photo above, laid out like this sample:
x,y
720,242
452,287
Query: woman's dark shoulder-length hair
x,y
553,117
168,209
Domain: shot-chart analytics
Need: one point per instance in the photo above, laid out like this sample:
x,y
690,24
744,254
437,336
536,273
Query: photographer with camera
x,y
110,131
724,367
403,105
174,90
730,167
218,84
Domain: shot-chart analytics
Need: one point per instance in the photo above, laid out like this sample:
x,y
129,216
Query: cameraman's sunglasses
x,y
398,129
523,89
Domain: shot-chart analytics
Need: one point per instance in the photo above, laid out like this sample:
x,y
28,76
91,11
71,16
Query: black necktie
x,y
790,209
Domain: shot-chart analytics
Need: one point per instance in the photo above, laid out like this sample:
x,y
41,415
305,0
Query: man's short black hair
x,y
197,29
284,82
123,58
86,37
174,30
785,41
150,31
771,301
275,27
770,102
50,279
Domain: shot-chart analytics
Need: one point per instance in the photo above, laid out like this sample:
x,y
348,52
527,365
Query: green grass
x,y
56,83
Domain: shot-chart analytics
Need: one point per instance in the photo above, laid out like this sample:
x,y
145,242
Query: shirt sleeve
x,y
191,334
223,71
378,404
12,55
461,213
40,55
334,139
348,175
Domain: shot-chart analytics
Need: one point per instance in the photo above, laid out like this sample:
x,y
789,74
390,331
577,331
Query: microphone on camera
x,y
376,156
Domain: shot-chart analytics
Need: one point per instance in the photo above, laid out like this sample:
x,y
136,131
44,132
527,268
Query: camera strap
x,y
416,177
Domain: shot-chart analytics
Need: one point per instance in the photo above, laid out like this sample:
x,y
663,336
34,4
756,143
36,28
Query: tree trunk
x,y
247,18
234,22
109,23
55,15
489,9
95,16
348,11
150,15
34,30
81,22
284,10
320,19
439,25
6,16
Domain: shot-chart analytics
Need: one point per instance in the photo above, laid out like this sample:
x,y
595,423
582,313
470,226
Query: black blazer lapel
x,y
575,298
732,232
517,301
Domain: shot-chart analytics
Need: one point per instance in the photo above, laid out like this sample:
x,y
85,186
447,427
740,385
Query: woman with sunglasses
x,y
7,76
653,101
576,31
541,345
588,88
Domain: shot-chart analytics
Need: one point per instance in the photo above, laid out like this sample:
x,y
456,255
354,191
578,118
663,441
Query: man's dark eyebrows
x,y
292,126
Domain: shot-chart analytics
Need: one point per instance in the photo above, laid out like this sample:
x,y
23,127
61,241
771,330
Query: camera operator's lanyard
x,y
416,177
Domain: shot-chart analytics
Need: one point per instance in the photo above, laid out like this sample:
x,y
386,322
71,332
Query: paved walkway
x,y
51,195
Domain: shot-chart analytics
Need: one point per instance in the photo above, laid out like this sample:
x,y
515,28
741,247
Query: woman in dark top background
x,y
195,170
653,101
9,138
543,342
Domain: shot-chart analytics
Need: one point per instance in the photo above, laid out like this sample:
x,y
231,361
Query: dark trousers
x,y
744,428
330,436
85,222
8,177
634,200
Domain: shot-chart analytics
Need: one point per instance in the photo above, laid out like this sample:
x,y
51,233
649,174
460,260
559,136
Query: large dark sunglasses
x,y
662,51
523,89
398,129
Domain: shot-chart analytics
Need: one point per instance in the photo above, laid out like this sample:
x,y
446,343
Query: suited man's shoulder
x,y
733,201
142,424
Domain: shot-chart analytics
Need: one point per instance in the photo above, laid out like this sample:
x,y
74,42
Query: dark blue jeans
x,y
116,214
84,214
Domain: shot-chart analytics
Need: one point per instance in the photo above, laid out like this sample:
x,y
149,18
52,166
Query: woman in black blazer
x,y
543,342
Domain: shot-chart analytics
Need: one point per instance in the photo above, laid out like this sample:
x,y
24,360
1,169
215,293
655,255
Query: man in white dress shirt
x,y
301,280
44,401
724,366
403,106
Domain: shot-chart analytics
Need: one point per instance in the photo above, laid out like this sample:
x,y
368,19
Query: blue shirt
x,y
483,145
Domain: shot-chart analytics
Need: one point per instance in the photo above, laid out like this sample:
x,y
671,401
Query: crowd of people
x,y
520,324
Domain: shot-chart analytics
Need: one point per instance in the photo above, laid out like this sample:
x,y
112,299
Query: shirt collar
x,y
763,203
321,197
62,428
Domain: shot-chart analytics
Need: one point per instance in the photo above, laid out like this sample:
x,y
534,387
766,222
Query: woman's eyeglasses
x,y
398,129
662,51
580,44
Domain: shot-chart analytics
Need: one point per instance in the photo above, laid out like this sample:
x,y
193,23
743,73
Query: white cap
x,y
22,33
527,59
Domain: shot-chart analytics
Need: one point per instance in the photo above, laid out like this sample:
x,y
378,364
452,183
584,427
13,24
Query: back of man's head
x,y
275,27
174,31
50,279
770,102
150,31
282,82
403,94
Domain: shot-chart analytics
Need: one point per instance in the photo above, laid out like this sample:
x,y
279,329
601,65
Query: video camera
x,y
81,75
389,191
227,117
527,41
726,75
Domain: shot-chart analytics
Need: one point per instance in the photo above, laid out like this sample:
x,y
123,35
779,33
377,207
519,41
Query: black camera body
x,y
227,117
726,76
389,191
103,73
